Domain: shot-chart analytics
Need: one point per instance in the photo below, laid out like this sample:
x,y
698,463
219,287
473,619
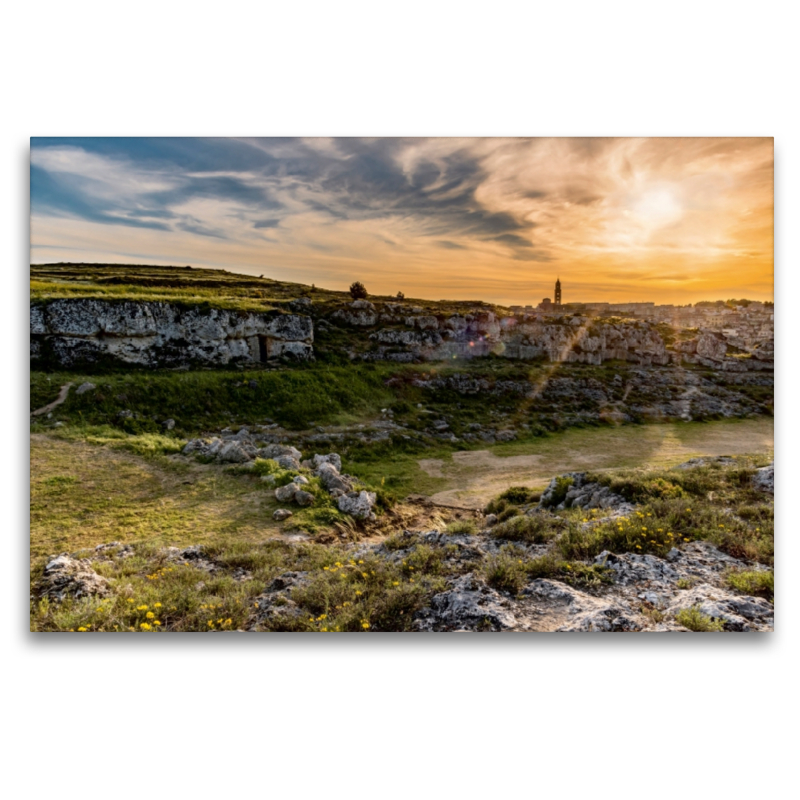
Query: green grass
x,y
207,400
223,289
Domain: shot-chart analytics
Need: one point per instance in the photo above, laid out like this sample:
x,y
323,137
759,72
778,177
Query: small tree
x,y
401,296
358,291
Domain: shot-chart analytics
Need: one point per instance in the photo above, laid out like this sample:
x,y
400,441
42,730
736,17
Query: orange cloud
x,y
670,220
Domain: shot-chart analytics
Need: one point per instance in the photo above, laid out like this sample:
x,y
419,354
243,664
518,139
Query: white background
x,y
381,716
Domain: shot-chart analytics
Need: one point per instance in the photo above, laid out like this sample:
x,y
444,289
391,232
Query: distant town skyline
x,y
618,220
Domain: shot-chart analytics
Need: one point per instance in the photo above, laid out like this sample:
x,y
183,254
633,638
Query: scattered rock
x,y
284,494
275,604
168,424
331,458
85,387
469,605
331,480
582,494
281,514
233,453
357,504
738,612
67,577
288,462
303,498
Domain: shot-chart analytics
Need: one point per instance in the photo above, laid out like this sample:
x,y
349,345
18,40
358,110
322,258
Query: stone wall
x,y
70,332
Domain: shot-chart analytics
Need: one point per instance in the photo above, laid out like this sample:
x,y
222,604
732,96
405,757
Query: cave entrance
x,y
262,349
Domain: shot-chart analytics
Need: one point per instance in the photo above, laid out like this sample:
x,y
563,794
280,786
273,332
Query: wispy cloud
x,y
424,212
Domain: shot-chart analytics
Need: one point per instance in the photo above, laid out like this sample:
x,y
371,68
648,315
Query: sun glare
x,y
657,207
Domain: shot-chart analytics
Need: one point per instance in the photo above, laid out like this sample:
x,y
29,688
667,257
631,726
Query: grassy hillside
x,y
186,284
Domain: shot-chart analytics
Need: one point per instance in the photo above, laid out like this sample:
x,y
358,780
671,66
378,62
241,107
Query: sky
x,y
669,220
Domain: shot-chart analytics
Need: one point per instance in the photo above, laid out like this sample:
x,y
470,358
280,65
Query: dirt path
x,y
476,476
62,396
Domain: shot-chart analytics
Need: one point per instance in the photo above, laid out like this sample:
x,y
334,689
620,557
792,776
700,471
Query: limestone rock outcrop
x,y
84,331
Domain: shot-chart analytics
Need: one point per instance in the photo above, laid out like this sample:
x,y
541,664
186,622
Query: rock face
x,y
407,334
581,493
66,576
79,331
412,337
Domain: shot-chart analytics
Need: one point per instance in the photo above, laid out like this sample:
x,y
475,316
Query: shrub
x,y
759,583
518,495
695,620
508,513
358,291
532,529
496,506
506,571
462,526
265,466
513,496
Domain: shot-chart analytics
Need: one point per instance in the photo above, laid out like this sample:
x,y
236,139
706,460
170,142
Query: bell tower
x,y
558,292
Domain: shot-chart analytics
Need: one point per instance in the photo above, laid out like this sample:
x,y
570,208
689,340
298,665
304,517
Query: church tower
x,y
558,292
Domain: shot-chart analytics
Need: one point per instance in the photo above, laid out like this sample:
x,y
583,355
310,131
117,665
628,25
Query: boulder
x,y
764,479
331,480
357,504
276,450
233,453
281,514
67,577
288,462
330,458
303,498
85,387
286,493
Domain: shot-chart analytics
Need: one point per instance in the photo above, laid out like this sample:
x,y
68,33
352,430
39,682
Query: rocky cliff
x,y
82,331
408,334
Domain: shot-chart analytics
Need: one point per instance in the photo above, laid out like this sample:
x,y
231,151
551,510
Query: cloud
x,y
594,209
